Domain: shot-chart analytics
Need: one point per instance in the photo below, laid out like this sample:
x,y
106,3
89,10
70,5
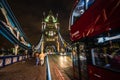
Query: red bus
x,y
95,35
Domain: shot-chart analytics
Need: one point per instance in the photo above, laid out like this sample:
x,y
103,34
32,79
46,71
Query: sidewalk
x,y
23,71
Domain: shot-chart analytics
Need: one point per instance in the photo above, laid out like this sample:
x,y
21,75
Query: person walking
x,y
37,58
42,57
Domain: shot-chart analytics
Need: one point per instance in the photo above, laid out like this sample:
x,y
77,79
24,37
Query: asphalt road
x,y
62,66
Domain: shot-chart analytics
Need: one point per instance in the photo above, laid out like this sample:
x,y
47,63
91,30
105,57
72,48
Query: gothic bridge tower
x,y
50,26
51,39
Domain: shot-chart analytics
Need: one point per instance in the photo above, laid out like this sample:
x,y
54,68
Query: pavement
x,y
25,70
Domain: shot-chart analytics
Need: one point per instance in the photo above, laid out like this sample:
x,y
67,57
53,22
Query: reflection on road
x,y
64,63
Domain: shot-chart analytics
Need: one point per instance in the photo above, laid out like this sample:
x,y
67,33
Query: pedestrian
x,y
37,58
42,57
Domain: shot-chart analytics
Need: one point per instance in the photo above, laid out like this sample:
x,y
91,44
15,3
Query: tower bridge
x,y
95,36
51,39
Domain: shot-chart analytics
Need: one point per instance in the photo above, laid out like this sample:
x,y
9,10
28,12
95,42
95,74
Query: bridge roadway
x,y
60,69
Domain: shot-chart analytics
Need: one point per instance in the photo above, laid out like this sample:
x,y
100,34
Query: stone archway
x,y
50,49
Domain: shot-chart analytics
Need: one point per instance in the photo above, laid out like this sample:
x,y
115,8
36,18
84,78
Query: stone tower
x,y
51,39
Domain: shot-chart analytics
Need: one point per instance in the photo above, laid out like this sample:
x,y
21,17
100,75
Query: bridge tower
x,y
51,39
50,27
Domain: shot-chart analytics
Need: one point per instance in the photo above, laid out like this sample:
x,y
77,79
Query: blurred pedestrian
x,y
42,57
37,58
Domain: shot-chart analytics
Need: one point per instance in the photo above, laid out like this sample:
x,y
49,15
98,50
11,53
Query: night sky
x,y
29,14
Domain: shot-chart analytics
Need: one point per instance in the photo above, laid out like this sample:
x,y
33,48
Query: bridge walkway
x,y
24,70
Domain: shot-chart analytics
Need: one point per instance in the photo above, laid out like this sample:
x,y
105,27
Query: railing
x,y
48,76
7,60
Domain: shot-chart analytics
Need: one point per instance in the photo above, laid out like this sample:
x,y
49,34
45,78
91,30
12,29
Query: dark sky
x,y
29,13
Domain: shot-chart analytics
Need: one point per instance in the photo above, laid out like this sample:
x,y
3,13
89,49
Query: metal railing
x,y
48,76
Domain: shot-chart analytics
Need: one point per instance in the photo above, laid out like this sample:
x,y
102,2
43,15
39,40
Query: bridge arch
x,y
50,49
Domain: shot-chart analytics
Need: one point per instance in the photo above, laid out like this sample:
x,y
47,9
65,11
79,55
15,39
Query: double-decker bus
x,y
95,35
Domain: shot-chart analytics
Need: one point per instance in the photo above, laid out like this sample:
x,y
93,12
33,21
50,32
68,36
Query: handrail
x,y
48,76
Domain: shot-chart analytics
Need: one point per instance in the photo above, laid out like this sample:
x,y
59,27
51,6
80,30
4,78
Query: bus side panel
x,y
97,73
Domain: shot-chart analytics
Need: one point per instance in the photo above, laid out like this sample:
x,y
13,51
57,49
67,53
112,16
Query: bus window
x,y
106,53
75,62
80,8
115,63
83,62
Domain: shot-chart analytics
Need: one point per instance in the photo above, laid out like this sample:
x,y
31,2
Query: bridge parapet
x,y
8,60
